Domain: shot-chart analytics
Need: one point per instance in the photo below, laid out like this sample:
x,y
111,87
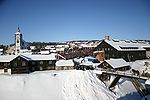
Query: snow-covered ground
x,y
54,85
141,65
125,90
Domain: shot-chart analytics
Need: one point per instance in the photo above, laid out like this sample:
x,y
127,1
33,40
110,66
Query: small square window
x,y
33,63
15,64
5,64
23,63
41,62
5,69
18,58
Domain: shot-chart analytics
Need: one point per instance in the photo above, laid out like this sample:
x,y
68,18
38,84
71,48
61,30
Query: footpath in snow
x,y
54,85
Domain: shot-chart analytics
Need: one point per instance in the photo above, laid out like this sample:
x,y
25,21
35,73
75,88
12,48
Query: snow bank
x,y
125,90
54,85
140,65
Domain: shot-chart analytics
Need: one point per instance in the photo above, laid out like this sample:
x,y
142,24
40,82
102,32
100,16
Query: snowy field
x,y
54,85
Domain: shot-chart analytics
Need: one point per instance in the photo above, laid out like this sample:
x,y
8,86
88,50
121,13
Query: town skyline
x,y
66,20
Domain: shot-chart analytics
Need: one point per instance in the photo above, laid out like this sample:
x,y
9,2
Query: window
x,y
33,63
50,62
100,49
5,64
5,69
18,58
24,63
8,64
41,68
114,55
15,64
17,41
128,47
108,56
41,62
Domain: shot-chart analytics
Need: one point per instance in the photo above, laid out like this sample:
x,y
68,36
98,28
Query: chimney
x,y
106,38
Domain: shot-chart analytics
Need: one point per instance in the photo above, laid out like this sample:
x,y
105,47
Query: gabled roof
x,y
126,45
117,63
87,63
7,58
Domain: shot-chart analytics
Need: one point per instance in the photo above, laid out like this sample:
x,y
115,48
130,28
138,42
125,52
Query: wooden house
x,y
5,66
115,64
42,62
13,64
17,64
128,50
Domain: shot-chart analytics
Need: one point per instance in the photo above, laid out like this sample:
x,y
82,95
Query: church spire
x,y
18,29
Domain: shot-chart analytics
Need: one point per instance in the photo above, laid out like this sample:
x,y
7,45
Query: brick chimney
x,y
106,38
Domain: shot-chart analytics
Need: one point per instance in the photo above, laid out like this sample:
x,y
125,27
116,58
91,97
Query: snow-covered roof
x,y
79,60
40,57
98,72
127,45
87,46
60,49
117,63
32,47
50,47
44,52
62,46
17,33
54,51
95,52
7,58
140,65
1,50
147,82
65,63
87,63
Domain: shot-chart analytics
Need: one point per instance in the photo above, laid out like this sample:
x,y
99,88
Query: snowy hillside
x,y
54,85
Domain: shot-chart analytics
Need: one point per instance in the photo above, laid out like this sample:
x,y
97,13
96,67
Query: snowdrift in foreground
x,y
54,85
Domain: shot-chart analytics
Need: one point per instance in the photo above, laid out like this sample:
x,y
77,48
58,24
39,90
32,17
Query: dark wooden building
x,y
5,63
41,62
128,50
17,64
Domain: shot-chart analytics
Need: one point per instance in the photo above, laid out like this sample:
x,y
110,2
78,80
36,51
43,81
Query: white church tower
x,y
18,41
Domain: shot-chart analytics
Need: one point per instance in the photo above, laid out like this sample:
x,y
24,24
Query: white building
x,y
19,42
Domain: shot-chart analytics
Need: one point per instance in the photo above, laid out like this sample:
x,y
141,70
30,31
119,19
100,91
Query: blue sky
x,y
62,20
